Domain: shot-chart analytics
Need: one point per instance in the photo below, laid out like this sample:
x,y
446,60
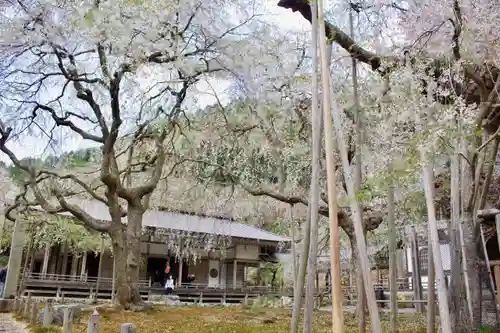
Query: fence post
x,y
20,307
245,301
47,314
93,322
58,293
127,328
149,288
26,310
201,298
34,313
67,320
16,305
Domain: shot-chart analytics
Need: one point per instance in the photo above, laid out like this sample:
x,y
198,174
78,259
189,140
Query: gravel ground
x,y
9,325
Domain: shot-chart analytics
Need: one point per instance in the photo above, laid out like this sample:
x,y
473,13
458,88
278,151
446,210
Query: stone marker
x,y
58,313
93,326
127,328
26,310
47,315
68,320
34,313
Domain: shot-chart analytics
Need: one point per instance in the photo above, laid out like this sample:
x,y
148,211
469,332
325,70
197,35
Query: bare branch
x,y
65,122
80,214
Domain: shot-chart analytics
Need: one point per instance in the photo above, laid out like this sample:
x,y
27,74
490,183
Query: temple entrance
x,y
92,264
156,270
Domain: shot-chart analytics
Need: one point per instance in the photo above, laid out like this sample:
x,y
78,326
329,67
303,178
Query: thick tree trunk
x,y
126,248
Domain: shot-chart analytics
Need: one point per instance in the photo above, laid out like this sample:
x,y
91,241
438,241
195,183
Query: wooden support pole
x,y
393,274
337,297
416,274
431,292
444,309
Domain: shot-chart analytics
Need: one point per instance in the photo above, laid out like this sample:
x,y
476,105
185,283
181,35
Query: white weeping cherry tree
x,y
116,75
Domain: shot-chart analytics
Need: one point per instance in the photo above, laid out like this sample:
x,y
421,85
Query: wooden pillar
x,y
64,264
235,272
99,271
46,257
179,276
15,258
59,260
54,254
32,261
84,266
74,267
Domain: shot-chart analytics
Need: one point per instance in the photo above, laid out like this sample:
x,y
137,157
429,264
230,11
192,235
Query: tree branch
x,y
40,199
67,123
80,214
338,36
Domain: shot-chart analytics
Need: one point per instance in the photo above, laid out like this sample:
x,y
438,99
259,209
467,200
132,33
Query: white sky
x,y
35,147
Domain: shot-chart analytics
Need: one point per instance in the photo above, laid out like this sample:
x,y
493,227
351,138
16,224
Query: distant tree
x,y
117,76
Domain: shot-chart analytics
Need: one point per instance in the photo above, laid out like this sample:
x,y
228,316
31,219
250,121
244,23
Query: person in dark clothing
x,y
3,276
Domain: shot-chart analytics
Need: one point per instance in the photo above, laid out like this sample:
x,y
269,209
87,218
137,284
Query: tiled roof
x,y
183,222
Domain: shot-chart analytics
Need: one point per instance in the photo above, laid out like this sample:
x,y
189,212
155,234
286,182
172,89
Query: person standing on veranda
x,y
169,285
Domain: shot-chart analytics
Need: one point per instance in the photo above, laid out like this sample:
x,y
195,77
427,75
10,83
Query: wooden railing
x,y
104,281
74,278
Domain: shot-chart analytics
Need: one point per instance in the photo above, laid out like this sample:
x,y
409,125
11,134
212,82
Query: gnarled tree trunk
x,y
127,252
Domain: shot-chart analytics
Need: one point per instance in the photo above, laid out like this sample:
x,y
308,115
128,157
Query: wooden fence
x,y
27,309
